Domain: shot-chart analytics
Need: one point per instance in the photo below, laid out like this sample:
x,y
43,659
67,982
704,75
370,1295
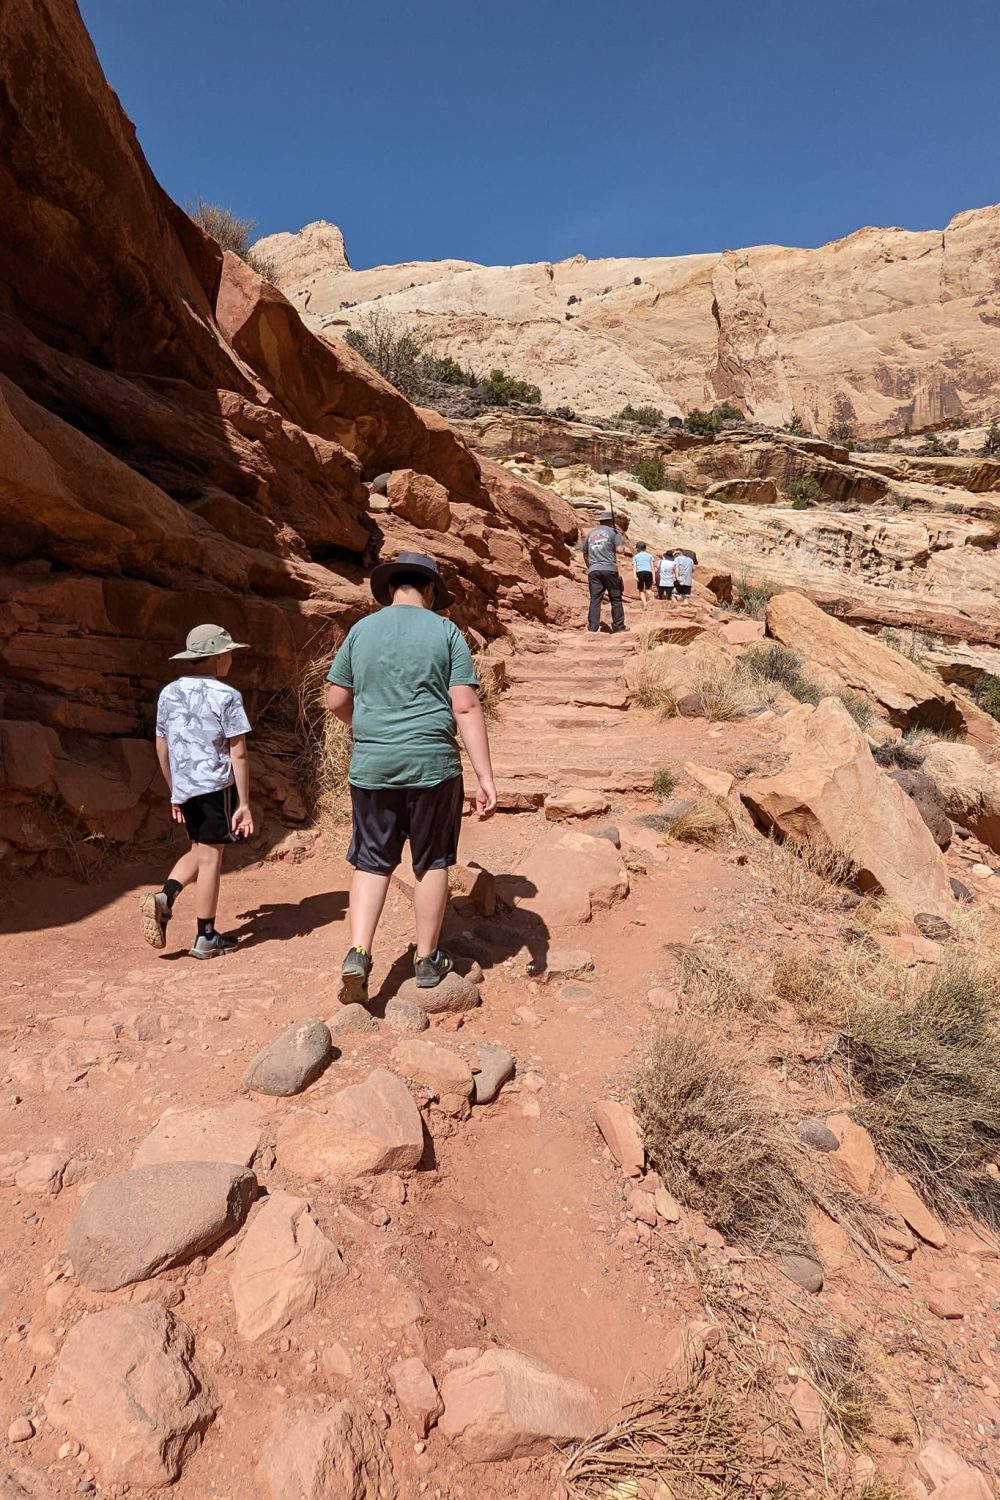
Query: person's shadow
x,y
512,930
277,921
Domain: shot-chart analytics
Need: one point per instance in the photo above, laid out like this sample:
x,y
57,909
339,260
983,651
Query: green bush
x,y
807,692
752,594
645,416
842,433
664,782
804,493
992,444
447,371
772,662
392,349
989,696
233,233
859,706
702,423
678,483
501,389
725,411
651,473
796,426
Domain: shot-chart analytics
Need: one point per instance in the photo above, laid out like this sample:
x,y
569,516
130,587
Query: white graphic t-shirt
x,y
198,716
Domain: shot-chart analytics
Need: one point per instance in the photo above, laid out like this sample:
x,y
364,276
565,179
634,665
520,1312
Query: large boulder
x,y
507,1405
332,1455
566,877
368,1128
831,787
419,499
911,697
128,1387
929,802
280,1266
969,786
133,1224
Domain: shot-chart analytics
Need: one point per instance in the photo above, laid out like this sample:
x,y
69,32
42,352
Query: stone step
x,y
576,695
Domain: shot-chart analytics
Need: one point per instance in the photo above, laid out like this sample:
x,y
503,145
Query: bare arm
x,y
163,756
340,702
242,817
472,727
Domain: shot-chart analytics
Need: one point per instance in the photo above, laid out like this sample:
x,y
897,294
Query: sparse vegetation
x,y
807,873
903,754
234,233
805,691
988,696
796,426
840,1372
772,662
324,747
992,444
706,822
859,706
714,981
650,690
391,348
501,389
447,371
843,434
751,593
678,483
929,1071
490,685
664,782
644,416
651,473
713,1138
804,493
913,644
708,423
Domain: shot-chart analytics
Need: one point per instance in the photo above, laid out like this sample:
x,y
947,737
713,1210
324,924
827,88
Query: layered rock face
x,y
176,447
885,328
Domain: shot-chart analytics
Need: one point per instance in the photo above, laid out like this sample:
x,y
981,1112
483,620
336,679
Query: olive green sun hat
x,y
208,640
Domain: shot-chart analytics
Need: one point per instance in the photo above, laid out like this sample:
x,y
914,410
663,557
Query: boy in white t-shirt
x,y
201,729
665,577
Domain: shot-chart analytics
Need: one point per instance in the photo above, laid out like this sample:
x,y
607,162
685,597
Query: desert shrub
x,y
712,1136
501,389
645,416
678,483
726,691
807,692
702,423
772,662
324,753
913,644
841,1373
713,980
447,371
752,593
707,822
859,706
904,755
232,232
842,433
664,782
807,873
992,443
796,426
989,696
812,986
490,685
651,473
725,411
391,348
805,492
930,1075
649,688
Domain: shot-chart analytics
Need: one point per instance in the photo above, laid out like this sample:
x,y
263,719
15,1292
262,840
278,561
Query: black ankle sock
x,y
206,927
172,889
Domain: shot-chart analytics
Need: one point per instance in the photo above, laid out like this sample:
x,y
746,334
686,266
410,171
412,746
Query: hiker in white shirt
x,y
683,575
665,577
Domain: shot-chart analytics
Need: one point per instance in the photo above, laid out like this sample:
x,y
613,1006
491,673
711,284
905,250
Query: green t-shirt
x,y
400,664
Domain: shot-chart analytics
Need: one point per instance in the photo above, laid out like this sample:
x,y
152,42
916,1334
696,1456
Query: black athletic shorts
x,y
385,817
665,590
644,580
682,590
209,817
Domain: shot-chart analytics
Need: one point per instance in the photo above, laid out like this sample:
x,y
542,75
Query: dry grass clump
x,y
713,1138
650,689
772,662
930,1075
807,873
812,985
491,684
695,1441
727,691
839,1369
902,754
711,982
751,593
709,822
324,748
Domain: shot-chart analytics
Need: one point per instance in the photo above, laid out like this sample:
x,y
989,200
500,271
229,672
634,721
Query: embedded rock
x,y
230,1134
352,1020
620,1130
855,1161
439,1068
292,1061
136,1223
453,993
368,1128
831,787
575,803
417,1394
507,1405
904,1199
280,1266
804,1270
567,876
332,1455
403,1017
127,1385
496,1065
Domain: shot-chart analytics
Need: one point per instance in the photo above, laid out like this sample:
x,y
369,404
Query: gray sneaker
x,y
212,947
354,972
432,969
155,913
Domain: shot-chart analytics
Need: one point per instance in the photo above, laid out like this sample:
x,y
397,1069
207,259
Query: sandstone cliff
x,y
175,446
885,328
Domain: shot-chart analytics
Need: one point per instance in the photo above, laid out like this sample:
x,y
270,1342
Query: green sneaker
x,y
432,969
354,972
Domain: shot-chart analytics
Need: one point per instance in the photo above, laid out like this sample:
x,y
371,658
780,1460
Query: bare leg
x,y
209,878
186,869
430,897
368,893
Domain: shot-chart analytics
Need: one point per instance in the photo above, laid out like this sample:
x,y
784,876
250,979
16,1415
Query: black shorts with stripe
x,y
208,817
385,817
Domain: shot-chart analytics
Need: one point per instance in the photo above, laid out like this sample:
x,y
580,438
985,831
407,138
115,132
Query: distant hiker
x,y
684,575
404,682
600,548
665,577
642,562
201,726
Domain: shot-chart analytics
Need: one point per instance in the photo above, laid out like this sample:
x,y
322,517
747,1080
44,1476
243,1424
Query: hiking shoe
x,y
212,947
354,972
154,914
432,969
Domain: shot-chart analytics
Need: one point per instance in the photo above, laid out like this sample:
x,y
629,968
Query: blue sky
x,y
540,128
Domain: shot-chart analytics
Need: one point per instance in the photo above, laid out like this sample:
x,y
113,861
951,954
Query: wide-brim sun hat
x,y
409,562
208,640
606,515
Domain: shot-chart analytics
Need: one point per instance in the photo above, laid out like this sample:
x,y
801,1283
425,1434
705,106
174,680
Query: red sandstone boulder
x,y
419,499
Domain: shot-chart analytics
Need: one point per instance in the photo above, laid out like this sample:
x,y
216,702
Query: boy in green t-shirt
x,y
405,683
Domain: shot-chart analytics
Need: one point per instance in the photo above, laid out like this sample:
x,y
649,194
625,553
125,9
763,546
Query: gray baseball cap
x,y
208,640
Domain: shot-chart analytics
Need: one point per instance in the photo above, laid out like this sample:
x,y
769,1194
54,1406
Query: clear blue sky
x,y
533,129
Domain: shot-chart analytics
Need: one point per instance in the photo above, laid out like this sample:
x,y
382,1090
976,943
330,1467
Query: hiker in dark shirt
x,y
600,548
